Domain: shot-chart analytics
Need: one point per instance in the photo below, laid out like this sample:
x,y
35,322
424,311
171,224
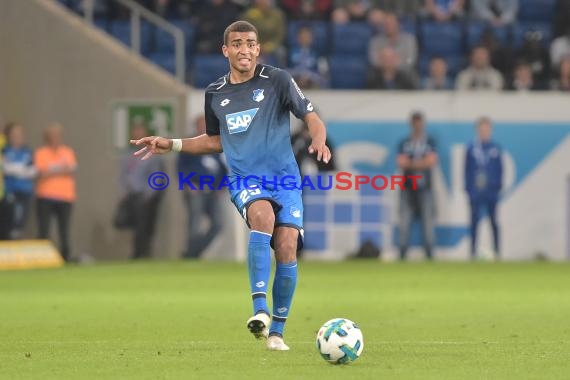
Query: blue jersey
x,y
252,119
23,158
483,170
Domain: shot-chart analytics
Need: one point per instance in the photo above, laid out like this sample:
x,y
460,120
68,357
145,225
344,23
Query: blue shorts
x,y
287,206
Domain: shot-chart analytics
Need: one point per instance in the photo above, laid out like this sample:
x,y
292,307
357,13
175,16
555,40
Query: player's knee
x,y
286,251
261,218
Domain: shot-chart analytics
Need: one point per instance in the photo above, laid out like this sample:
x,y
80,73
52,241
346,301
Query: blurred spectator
x,y
502,57
561,17
5,212
137,197
211,20
385,74
560,48
307,9
162,7
534,53
483,180
372,10
19,173
242,4
55,186
480,75
417,156
438,79
404,43
178,9
562,83
444,10
403,8
306,66
350,11
522,79
496,12
202,204
271,25
308,163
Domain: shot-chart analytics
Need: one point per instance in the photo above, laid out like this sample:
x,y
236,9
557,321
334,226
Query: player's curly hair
x,y
239,26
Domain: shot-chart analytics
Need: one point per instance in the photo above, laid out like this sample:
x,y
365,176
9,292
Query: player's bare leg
x,y
284,284
261,219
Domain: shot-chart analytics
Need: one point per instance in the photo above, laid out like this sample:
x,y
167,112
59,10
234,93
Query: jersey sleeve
x,y
212,122
291,95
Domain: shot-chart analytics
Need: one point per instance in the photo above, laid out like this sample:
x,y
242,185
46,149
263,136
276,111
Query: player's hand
x,y
323,151
152,145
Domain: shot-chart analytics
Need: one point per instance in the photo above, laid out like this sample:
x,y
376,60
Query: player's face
x,y
16,137
242,51
53,135
417,126
484,131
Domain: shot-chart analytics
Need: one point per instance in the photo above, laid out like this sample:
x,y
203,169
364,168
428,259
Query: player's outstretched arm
x,y
318,134
202,144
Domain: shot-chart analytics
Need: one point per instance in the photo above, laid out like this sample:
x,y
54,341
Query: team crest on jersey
x,y
295,212
258,95
240,121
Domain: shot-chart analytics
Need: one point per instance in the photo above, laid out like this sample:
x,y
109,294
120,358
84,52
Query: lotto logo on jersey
x,y
240,121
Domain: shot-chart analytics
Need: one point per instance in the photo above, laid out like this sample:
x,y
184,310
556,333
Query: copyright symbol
x,y
158,181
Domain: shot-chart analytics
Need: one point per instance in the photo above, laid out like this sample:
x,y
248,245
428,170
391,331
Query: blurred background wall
x,y
54,67
366,127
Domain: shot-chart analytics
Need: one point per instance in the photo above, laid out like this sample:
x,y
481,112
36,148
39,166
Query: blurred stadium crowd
x,y
373,44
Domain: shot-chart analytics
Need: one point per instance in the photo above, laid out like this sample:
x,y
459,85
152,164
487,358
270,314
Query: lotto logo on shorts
x,y
240,121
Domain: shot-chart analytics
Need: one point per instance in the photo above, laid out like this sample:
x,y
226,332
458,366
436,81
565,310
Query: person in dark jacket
x,y
202,202
417,156
483,180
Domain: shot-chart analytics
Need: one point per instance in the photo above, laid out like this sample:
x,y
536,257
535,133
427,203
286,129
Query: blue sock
x,y
259,266
283,290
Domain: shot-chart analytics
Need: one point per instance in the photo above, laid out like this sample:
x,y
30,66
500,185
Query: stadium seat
x,y
65,3
165,60
122,31
522,28
475,31
78,6
102,24
408,25
164,41
269,59
73,5
443,39
348,72
208,68
320,33
455,63
536,10
351,39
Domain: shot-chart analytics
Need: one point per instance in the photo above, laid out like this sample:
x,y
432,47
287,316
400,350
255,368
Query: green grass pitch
x,y
186,320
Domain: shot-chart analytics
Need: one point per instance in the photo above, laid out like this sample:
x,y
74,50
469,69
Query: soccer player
x,y
247,117
483,181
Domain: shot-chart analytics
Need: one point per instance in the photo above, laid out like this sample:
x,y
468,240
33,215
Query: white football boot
x,y
258,325
276,343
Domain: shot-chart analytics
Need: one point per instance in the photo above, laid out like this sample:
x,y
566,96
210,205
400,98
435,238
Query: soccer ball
x,y
340,341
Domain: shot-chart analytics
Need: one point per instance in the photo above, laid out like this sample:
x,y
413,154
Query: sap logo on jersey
x,y
239,122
